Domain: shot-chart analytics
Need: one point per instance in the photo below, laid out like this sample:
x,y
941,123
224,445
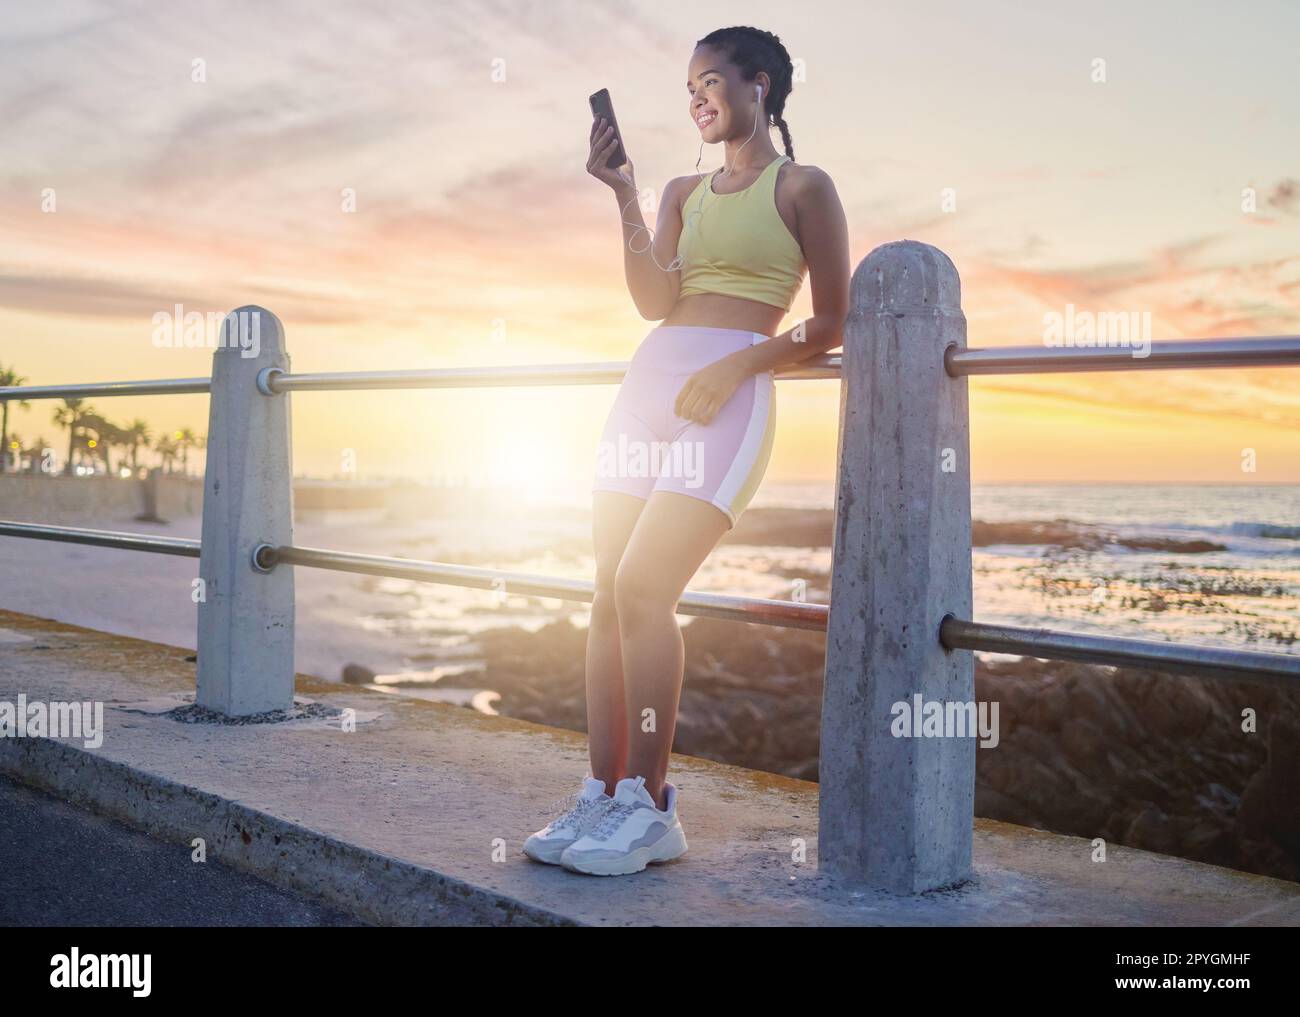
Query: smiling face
x,y
721,104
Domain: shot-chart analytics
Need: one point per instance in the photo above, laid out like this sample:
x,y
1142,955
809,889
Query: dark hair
x,y
754,50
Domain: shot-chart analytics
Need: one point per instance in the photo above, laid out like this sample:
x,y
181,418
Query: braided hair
x,y
754,50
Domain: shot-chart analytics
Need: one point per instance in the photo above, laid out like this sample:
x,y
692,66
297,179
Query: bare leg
x,y
671,540
612,519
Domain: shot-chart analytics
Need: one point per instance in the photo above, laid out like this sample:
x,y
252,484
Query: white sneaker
x,y
631,834
548,843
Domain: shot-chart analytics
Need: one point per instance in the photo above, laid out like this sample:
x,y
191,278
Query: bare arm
x,y
824,234
654,291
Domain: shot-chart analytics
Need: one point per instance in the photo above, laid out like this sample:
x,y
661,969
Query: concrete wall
x,y
95,502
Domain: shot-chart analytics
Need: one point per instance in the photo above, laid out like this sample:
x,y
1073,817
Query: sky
x,y
1093,156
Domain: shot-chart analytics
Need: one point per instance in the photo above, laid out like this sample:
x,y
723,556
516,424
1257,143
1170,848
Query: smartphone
x,y
603,106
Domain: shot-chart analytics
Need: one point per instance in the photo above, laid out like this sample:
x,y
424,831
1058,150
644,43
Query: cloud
x,y
121,299
1186,293
1286,196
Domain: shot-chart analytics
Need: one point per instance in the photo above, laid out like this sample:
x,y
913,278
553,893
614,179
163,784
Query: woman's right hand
x,y
603,144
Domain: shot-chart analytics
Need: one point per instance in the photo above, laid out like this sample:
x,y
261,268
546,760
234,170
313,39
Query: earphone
x,y
693,219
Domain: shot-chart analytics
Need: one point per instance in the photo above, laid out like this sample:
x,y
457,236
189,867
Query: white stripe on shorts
x,y
743,464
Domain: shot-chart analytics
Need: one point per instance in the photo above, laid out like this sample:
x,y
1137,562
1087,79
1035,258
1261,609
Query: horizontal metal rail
x,y
1163,355
103,538
822,366
1177,658
787,614
163,386
954,633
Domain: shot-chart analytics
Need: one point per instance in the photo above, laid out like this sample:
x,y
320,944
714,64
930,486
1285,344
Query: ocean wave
x,y
1087,537
1269,530
774,527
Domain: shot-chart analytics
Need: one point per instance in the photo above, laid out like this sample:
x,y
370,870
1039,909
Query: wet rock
x,y
357,674
1270,805
1154,831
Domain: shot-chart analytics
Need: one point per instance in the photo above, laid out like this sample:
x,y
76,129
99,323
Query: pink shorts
x,y
645,447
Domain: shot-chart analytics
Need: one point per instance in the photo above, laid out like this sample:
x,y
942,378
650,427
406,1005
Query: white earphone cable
x,y
693,218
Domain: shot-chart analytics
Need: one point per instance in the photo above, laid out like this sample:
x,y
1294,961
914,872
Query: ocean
x,y
1210,564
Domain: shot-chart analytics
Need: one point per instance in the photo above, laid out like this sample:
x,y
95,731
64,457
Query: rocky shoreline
x,y
1131,756
781,527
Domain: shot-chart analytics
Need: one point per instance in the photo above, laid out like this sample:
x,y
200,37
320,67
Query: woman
x,y
688,438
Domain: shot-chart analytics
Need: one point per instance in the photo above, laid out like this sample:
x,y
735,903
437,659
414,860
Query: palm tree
x,y
186,439
67,416
14,449
166,448
27,459
99,437
119,439
139,435
35,454
8,376
115,437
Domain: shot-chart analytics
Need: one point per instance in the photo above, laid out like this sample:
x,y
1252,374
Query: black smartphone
x,y
603,106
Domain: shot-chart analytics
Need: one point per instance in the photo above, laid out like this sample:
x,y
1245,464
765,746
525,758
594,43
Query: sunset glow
x,y
478,239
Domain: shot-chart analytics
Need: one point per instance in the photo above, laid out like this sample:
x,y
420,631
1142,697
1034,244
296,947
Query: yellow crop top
x,y
739,245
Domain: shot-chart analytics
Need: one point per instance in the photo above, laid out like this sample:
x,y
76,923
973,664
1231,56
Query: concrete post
x,y
896,813
245,635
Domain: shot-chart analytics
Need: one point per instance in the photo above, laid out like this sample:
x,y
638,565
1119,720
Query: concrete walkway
x,y
417,816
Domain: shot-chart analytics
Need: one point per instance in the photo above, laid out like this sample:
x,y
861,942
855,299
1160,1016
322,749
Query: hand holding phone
x,y
607,151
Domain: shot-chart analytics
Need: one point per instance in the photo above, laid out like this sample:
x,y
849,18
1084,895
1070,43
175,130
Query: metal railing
x,y
274,380
954,633
1161,355
905,355
103,538
1117,651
